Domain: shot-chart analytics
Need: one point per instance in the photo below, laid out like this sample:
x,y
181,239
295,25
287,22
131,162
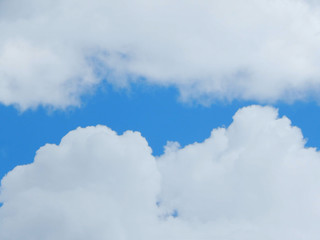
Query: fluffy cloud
x,y
256,177
94,185
52,52
252,180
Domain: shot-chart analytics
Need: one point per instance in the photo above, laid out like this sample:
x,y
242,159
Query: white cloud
x,y
252,180
254,176
94,185
52,52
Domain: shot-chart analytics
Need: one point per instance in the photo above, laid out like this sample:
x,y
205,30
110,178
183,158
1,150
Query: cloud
x,y
53,52
252,180
255,179
94,185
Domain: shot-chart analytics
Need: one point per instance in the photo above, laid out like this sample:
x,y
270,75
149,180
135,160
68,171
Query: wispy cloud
x,y
259,50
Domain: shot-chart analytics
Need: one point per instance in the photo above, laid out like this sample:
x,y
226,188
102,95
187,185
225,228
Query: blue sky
x,y
154,111
148,119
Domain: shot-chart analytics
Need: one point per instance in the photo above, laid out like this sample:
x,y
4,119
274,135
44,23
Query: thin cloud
x,y
53,52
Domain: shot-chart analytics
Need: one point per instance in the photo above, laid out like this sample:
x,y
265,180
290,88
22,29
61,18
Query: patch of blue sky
x,y
175,213
153,111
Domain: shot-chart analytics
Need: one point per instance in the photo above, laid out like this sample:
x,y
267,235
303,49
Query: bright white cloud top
x,y
52,52
252,180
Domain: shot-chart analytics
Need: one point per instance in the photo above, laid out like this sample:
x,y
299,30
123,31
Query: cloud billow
x,y
53,52
252,180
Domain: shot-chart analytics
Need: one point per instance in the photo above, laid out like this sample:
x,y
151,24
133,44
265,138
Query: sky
x,y
159,119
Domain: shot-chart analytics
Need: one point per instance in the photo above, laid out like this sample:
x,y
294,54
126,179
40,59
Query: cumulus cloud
x,y
94,185
252,180
52,52
256,177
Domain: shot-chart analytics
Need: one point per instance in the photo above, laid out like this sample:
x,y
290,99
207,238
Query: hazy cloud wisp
x,y
52,52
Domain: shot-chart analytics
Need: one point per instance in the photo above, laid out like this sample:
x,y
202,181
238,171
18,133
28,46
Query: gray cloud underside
x,y
252,180
52,52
